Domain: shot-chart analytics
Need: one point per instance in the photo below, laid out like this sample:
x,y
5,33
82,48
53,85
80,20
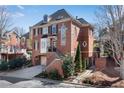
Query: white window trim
x,y
44,47
63,32
45,30
54,25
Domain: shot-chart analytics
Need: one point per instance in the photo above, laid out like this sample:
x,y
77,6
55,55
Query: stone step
x,y
84,75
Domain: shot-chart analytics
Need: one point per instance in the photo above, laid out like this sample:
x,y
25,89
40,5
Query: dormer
x,y
46,18
59,17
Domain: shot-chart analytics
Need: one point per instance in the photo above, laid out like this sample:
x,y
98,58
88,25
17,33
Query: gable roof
x,y
62,14
7,32
82,21
13,30
26,35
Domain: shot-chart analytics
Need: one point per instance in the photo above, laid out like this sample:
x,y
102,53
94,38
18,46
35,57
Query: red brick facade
x,y
74,32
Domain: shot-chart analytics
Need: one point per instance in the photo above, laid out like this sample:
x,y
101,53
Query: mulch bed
x,y
101,79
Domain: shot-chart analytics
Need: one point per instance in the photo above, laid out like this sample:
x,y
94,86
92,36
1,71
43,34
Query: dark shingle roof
x,y
61,14
26,35
82,21
39,23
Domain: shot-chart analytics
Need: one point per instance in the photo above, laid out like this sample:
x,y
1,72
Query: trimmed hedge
x,y
17,63
54,75
3,65
13,64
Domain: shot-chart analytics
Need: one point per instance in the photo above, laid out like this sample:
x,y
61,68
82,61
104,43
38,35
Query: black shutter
x,y
33,31
41,31
56,28
49,30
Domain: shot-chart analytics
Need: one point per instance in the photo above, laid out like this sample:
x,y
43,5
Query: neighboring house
x,y
10,46
26,42
57,35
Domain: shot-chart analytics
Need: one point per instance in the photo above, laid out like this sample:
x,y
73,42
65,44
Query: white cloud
x,y
20,7
18,14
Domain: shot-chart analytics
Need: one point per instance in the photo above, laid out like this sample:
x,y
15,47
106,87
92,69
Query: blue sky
x,y
28,15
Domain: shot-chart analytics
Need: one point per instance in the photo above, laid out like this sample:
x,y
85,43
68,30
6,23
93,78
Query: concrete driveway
x,y
27,73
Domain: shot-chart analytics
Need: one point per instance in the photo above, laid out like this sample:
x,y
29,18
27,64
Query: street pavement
x,y
9,82
24,78
27,73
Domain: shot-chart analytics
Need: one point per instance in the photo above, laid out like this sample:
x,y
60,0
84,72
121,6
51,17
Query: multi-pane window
x,y
44,44
63,34
39,31
45,31
35,32
36,45
54,29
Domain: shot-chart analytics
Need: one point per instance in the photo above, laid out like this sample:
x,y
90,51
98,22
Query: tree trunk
x,y
122,69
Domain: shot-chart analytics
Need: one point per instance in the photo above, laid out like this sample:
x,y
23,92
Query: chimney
x,y
45,18
76,17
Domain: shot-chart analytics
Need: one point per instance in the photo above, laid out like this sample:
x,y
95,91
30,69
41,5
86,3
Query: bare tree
x,y
111,26
5,21
20,31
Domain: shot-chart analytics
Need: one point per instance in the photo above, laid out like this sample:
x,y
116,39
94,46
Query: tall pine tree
x,y
78,60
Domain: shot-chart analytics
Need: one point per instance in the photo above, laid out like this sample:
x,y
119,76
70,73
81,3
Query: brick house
x,y
10,46
25,42
58,34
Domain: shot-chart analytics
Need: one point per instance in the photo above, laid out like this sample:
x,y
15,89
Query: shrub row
x,y
53,74
13,64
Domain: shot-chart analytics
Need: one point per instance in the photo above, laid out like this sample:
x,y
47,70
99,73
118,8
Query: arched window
x,y
63,34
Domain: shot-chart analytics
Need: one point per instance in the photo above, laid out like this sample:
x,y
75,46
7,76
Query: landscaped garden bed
x,y
100,79
51,75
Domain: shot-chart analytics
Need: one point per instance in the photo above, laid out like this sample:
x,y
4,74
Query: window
x,y
84,43
35,44
63,34
45,31
34,31
44,44
54,29
38,31
59,17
